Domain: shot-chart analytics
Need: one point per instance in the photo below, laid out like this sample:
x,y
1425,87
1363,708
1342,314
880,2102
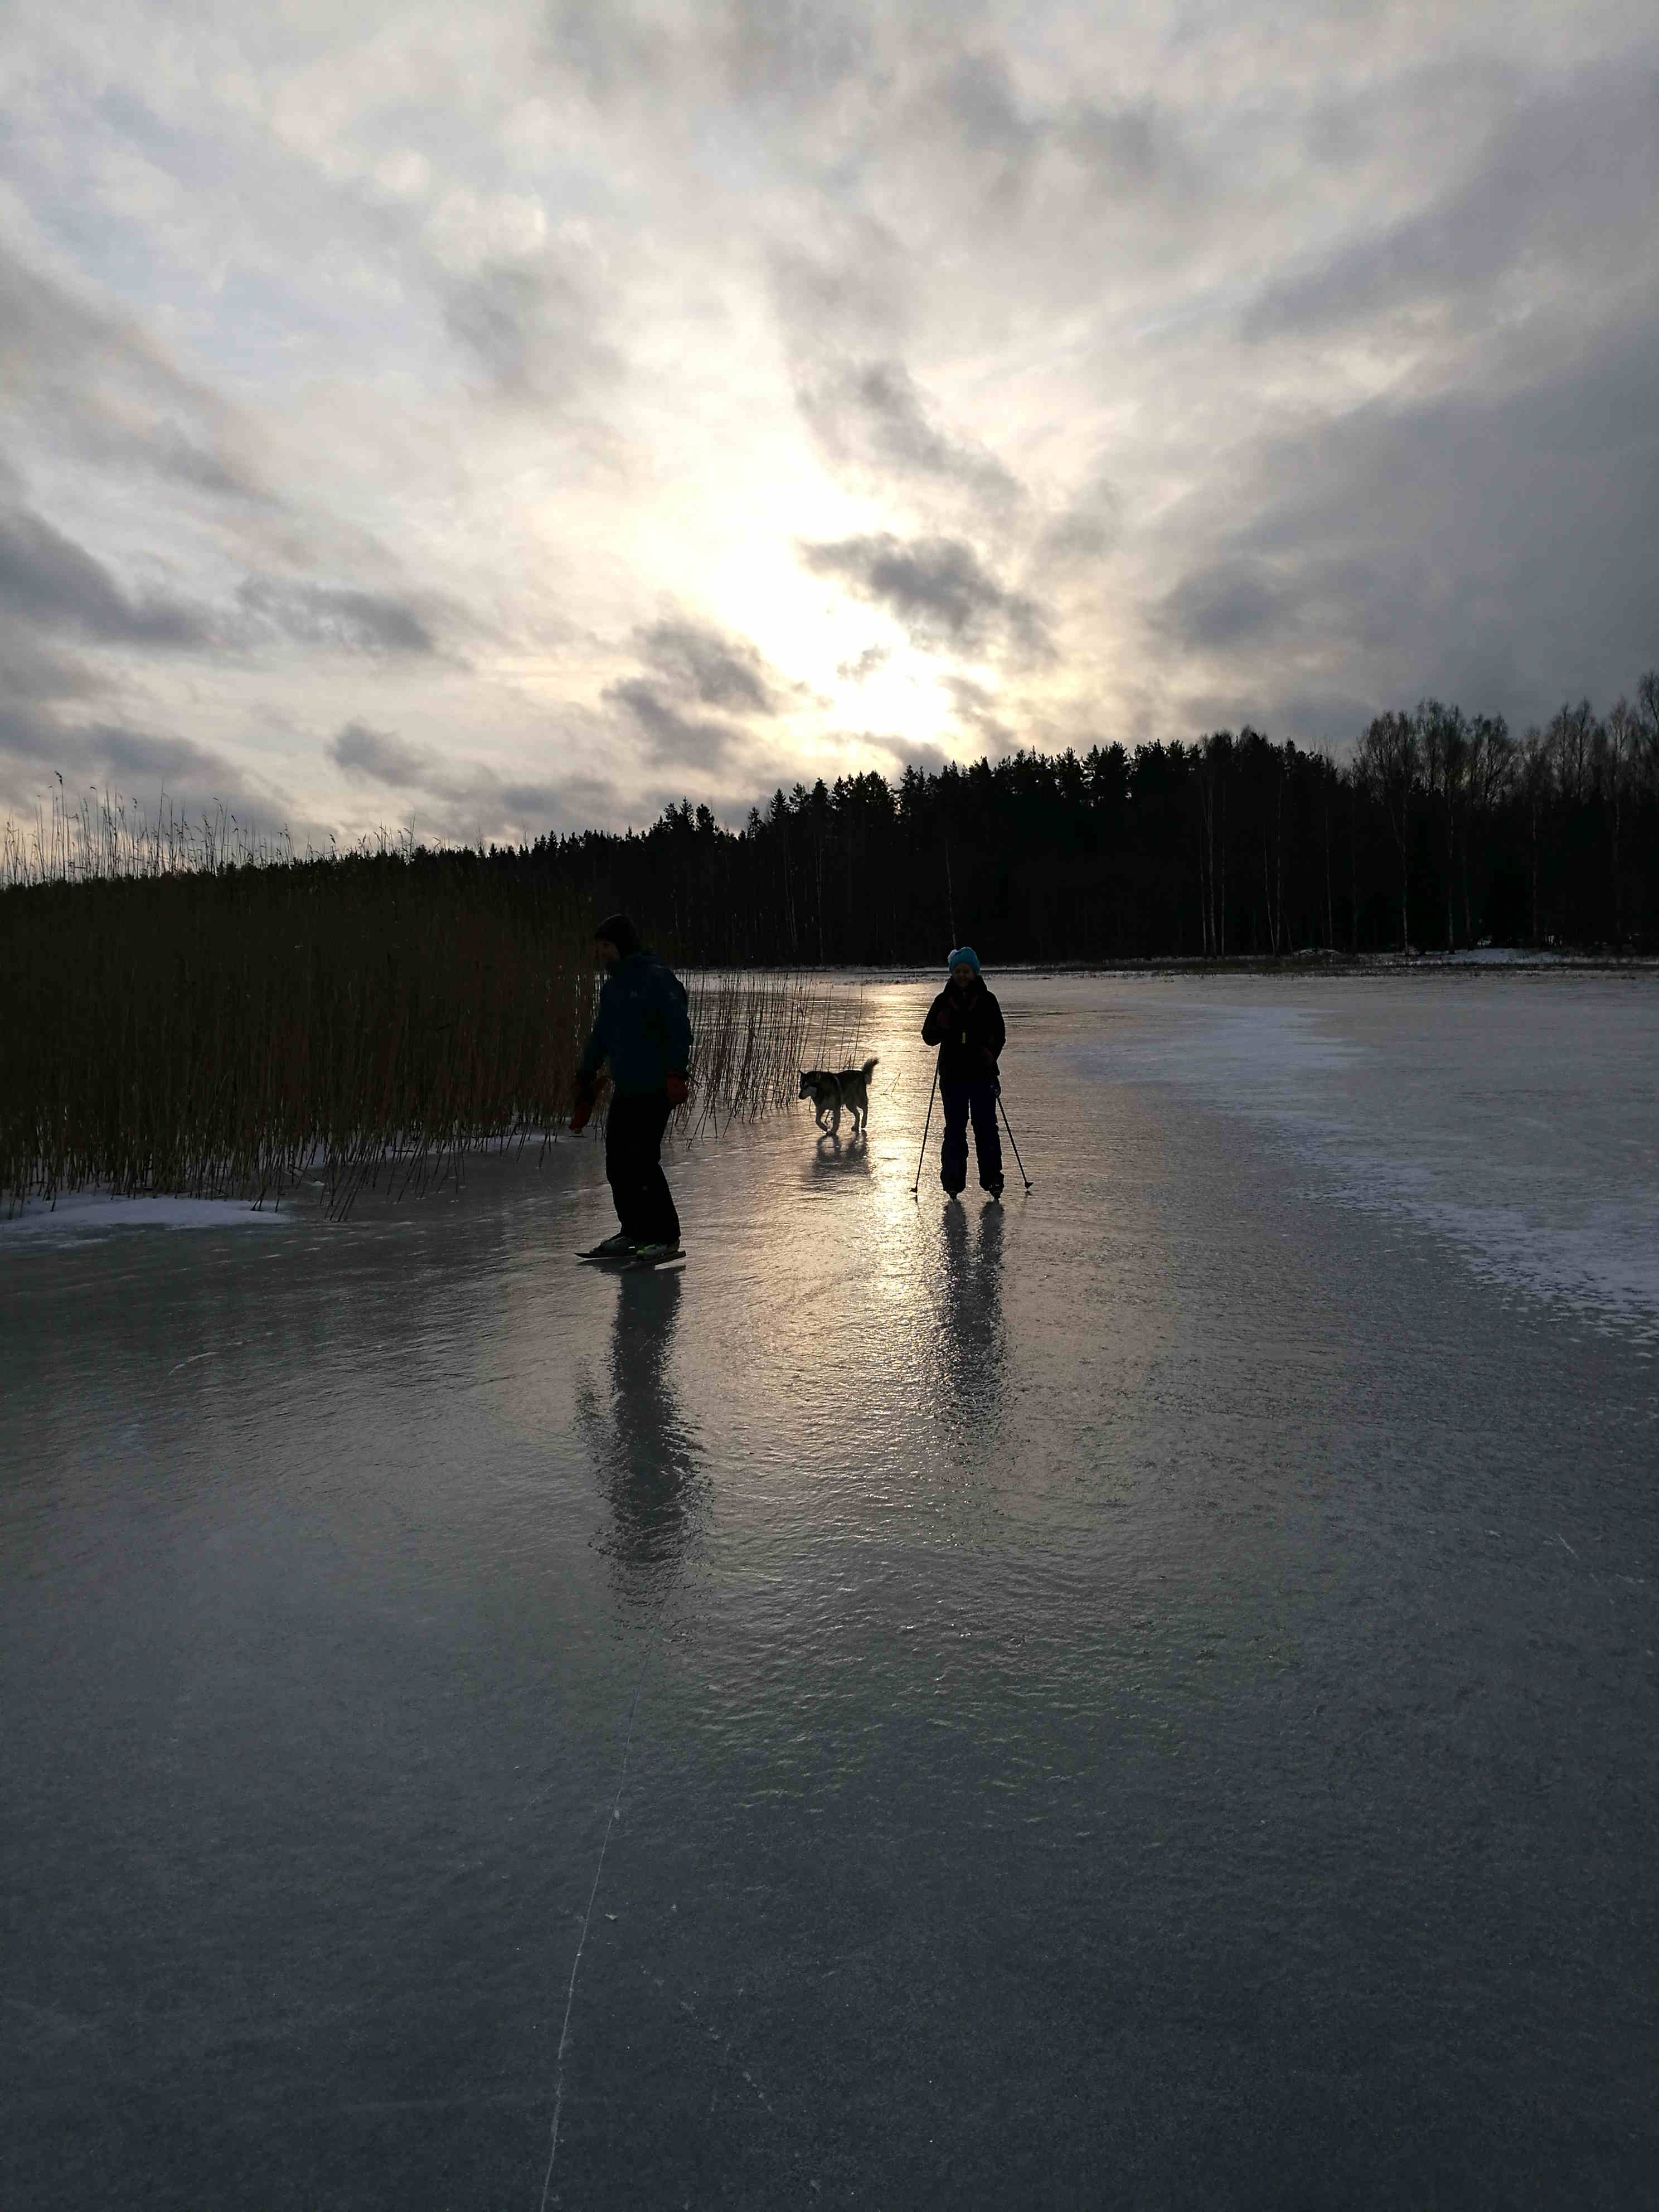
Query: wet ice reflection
x,y
1167,1649
641,1440
835,1155
966,1282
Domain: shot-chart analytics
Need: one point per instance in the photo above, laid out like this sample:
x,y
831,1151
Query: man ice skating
x,y
965,1022
641,1029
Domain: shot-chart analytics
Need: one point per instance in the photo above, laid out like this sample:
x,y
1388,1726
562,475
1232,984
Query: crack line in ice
x,y
581,1940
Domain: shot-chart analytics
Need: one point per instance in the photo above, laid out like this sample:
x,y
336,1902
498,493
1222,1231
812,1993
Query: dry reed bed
x,y
93,837
348,1023
752,1034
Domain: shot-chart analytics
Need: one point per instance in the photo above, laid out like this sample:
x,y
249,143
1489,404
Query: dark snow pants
x,y
959,1100
633,1166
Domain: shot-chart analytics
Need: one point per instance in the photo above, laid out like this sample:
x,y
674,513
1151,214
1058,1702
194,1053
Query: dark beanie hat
x,y
620,931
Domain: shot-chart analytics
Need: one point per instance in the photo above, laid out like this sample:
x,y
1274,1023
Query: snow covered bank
x,y
95,1214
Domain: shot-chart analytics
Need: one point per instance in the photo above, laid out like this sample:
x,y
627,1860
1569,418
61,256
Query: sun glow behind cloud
x,y
602,402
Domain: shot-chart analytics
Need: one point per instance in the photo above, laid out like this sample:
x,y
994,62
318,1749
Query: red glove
x,y
582,1111
676,1088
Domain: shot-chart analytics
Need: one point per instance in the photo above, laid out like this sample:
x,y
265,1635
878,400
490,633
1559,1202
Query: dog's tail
x,y
868,1065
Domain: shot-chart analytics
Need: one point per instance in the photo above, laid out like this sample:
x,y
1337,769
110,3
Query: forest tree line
x,y
1442,831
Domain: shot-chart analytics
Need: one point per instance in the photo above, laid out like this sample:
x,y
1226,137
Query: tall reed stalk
x,y
351,1021
751,1035
94,836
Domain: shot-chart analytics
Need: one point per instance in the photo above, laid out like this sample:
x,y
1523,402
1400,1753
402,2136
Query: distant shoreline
x,y
1298,965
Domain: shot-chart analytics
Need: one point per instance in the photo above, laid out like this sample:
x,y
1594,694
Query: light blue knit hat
x,y
964,952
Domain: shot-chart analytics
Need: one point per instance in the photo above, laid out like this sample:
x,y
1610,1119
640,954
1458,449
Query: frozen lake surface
x,y
1146,1697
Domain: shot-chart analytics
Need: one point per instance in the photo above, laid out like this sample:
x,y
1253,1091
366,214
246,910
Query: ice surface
x,y
1145,1695
1524,1130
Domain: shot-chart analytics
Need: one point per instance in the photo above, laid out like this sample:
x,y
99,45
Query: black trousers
x,y
633,1166
959,1100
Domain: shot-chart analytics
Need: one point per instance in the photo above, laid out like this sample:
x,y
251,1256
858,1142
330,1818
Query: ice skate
x,y
657,1255
619,1247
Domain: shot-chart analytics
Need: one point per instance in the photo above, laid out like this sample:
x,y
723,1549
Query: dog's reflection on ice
x,y
831,1157
649,1455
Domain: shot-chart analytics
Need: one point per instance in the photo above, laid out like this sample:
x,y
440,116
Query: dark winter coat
x,y
642,1027
966,1026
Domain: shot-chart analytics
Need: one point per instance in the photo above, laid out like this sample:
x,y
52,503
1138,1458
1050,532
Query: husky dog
x,y
830,1092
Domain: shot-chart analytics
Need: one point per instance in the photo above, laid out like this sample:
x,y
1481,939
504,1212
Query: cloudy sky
x,y
511,417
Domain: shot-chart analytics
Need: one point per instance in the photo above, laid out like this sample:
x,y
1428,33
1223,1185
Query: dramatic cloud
x,y
377,757
87,382
693,667
347,621
1562,194
872,658
57,586
460,800
533,329
870,421
93,759
548,407
938,589
715,670
1404,536
671,736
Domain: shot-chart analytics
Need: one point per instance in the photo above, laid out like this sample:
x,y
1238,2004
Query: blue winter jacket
x,y
641,1028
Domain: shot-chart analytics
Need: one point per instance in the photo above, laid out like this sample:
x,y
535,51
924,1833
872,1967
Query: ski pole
x,y
1007,1125
916,1187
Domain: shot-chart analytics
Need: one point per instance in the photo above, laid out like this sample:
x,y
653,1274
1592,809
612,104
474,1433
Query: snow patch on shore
x,y
83,1213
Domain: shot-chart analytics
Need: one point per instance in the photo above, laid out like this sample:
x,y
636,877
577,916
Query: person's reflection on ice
x,y
647,1452
971,1325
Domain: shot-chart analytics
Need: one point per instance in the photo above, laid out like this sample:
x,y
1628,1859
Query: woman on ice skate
x,y
965,1022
